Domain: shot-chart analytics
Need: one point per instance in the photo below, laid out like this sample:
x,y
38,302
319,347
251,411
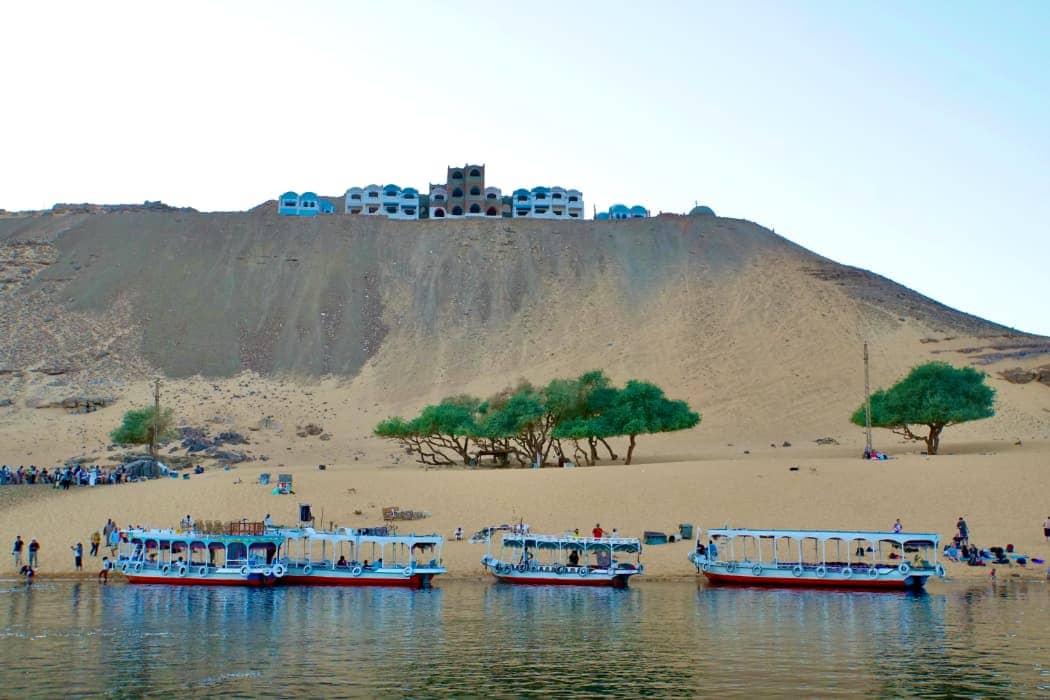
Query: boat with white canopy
x,y
819,558
360,557
563,560
193,557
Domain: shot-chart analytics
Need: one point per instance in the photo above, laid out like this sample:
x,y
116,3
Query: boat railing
x,y
836,566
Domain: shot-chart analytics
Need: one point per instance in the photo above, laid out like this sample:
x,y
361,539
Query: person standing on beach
x,y
78,556
964,530
16,552
96,540
1046,528
103,576
114,540
34,547
897,527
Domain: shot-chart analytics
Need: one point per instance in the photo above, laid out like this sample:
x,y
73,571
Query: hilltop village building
x,y
462,195
305,204
621,212
389,200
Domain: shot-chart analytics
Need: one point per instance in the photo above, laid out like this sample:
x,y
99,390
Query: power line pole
x,y
867,401
156,420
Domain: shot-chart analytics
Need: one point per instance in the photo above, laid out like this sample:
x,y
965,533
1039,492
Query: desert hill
x,y
763,336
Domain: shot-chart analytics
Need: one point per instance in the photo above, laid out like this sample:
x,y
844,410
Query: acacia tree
x,y
935,395
639,408
519,419
137,426
438,430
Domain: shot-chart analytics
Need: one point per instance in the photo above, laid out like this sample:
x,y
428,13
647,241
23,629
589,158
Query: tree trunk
x,y
593,442
933,440
612,455
630,450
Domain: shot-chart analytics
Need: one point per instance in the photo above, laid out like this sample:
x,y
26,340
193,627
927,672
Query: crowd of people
x,y
27,555
63,476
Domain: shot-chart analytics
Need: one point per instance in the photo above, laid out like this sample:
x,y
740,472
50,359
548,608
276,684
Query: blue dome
x,y
639,210
308,195
602,215
702,211
619,209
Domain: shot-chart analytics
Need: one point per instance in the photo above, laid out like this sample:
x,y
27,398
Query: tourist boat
x,y
565,560
360,557
820,558
193,558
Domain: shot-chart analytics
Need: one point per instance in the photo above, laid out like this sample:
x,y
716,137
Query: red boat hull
x,y
857,583
414,581
616,582
256,582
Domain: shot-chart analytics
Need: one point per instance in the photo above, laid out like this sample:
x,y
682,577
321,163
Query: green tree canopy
x,y
529,423
639,408
137,427
935,395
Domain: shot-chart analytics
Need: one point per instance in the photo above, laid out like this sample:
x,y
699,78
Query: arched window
x,y
475,208
439,213
490,195
491,212
457,174
474,172
438,197
457,211
457,192
475,191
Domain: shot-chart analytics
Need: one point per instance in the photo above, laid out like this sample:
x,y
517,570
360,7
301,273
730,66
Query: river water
x,y
470,639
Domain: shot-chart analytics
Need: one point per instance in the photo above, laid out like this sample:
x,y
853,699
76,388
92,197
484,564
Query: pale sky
x,y
910,139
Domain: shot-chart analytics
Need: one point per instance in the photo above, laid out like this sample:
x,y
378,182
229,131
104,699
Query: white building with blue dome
x,y
547,203
390,201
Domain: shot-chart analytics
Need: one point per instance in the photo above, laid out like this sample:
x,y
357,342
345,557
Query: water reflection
x,y
474,639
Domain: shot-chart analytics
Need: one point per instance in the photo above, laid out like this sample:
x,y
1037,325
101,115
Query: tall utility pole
x,y
867,400
156,420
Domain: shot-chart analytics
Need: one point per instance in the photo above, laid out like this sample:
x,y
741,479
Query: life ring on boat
x,y
138,566
873,573
124,568
940,570
705,567
521,567
847,572
821,571
244,570
584,570
267,572
280,570
165,569
904,568
730,566
307,570
407,571
797,570
756,570
559,570
203,571
183,570
356,571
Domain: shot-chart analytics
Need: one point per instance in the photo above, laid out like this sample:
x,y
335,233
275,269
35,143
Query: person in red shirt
x,y
597,531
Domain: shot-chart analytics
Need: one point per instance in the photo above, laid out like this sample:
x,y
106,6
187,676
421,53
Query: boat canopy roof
x,y
349,534
172,536
616,544
928,539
